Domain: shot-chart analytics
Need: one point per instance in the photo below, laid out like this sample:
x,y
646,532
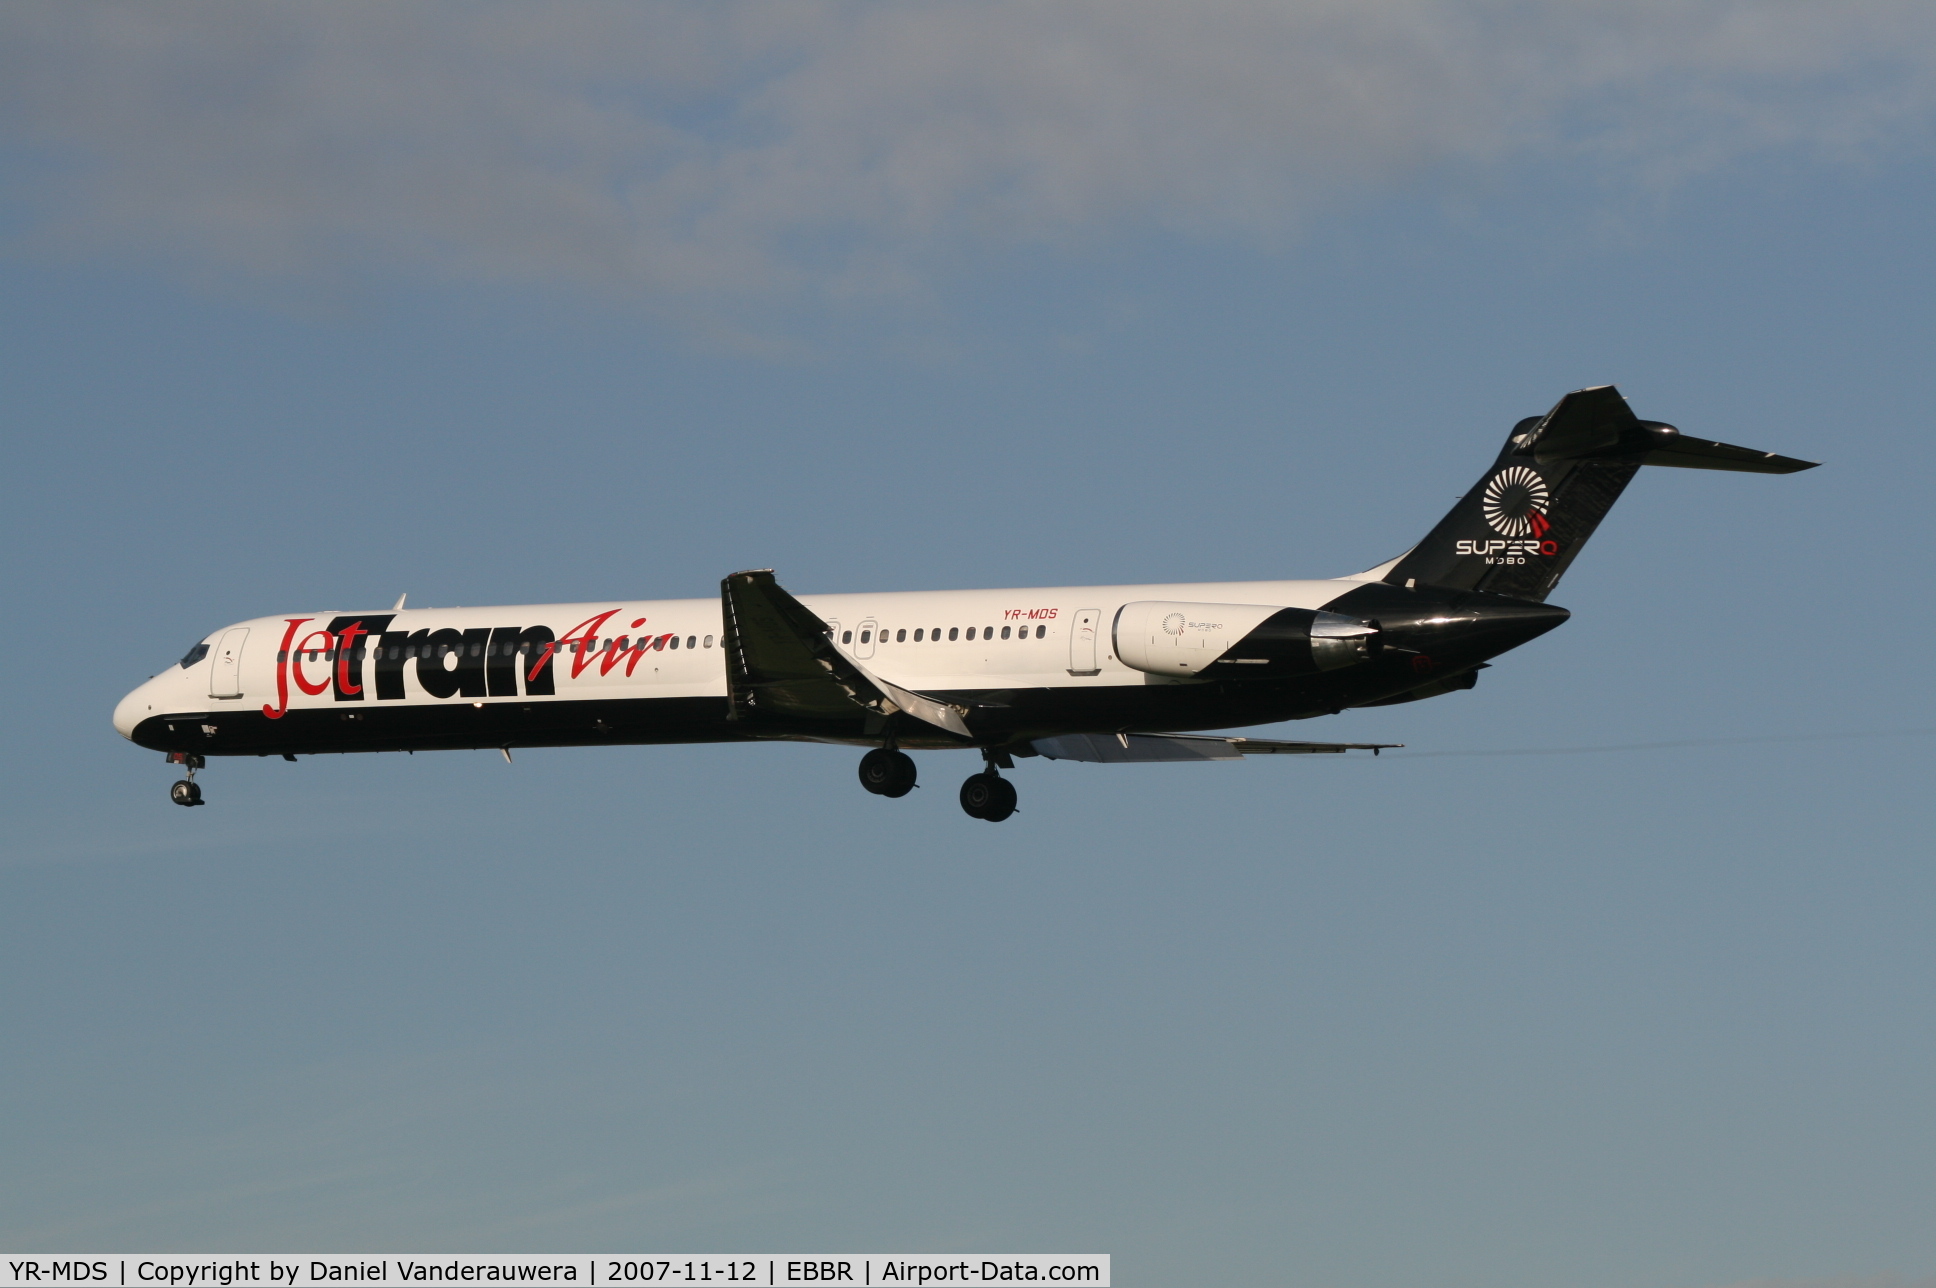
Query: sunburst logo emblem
x,y
1515,503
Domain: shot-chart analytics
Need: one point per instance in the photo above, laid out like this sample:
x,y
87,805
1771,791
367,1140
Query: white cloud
x,y
722,152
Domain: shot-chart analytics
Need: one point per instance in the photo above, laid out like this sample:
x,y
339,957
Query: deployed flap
x,y
1128,748
780,660
1271,747
920,706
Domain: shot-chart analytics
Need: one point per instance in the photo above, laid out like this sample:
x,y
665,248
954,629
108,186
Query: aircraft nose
x,y
132,710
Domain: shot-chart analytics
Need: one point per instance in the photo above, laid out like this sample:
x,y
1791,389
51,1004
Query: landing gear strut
x,y
886,771
988,795
186,792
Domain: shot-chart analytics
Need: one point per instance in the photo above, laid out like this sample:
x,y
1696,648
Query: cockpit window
x,y
194,655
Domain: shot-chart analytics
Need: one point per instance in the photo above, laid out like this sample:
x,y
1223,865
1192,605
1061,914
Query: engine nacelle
x,y
1240,641
1338,641
1164,637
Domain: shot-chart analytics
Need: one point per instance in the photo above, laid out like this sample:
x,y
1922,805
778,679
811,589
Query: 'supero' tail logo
x,y
1515,503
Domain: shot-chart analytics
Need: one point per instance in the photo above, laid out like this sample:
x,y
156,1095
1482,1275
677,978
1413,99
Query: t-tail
x,y
1517,531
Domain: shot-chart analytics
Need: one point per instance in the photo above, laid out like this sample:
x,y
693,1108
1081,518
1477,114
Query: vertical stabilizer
x,y
1522,524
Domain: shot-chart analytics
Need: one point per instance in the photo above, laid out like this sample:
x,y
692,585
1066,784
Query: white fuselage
x,y
1038,638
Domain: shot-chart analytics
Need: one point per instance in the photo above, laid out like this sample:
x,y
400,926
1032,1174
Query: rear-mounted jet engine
x,y
1170,638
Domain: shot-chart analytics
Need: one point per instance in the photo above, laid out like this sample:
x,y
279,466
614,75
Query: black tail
x,y
1518,529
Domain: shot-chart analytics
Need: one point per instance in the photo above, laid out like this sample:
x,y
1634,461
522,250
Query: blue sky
x,y
309,307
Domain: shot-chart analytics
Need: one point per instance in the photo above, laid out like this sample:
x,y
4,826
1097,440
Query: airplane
x,y
1108,674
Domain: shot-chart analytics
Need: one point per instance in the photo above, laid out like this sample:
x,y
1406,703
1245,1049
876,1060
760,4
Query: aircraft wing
x,y
779,659
1127,748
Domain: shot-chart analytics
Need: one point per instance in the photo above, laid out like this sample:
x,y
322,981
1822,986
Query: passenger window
x,y
865,635
900,636
1041,632
709,641
954,632
846,637
692,641
1004,632
917,635
988,632
674,643
935,634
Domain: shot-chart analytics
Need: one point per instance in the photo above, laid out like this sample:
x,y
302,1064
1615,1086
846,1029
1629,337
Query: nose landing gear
x,y
886,771
186,792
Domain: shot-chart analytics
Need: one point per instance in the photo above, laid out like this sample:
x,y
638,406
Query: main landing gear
x,y
988,795
886,771
186,792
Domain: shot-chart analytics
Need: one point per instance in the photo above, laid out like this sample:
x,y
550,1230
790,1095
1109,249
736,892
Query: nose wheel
x,y
887,772
186,792
988,796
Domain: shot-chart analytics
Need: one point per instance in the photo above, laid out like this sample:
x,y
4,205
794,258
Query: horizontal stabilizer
x,y
1138,748
1700,454
1598,423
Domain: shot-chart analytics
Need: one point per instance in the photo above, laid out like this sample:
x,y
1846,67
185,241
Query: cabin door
x,y
1082,642
225,668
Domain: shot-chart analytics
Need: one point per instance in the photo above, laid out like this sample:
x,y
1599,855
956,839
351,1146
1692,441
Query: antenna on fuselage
x,y
398,606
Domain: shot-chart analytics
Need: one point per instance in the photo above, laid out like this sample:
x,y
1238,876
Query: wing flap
x,y
1142,748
